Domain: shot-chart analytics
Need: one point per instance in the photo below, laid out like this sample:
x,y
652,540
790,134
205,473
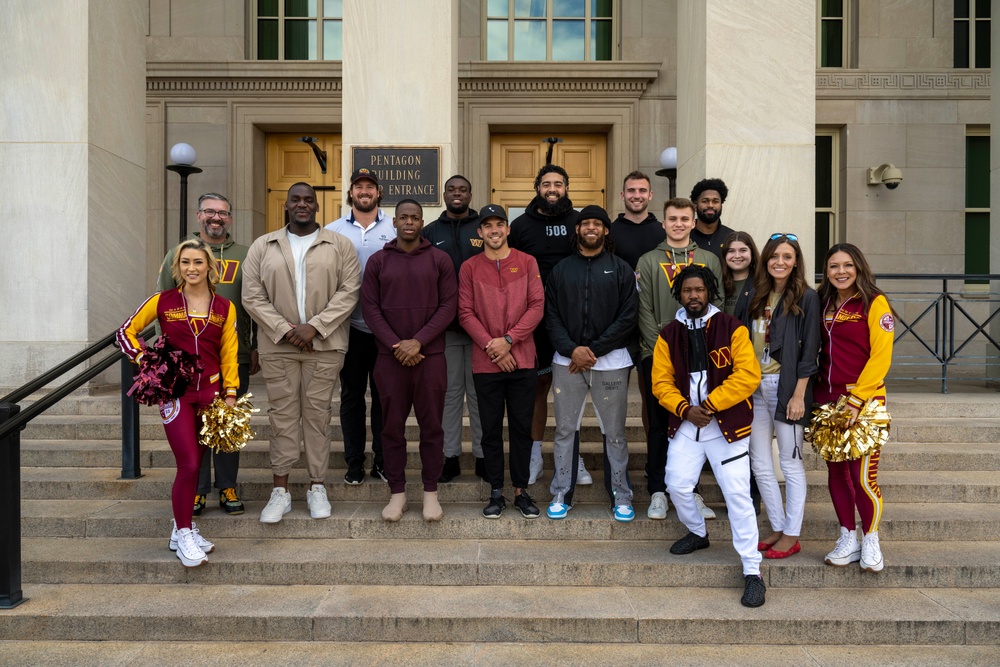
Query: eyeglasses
x,y
790,237
211,213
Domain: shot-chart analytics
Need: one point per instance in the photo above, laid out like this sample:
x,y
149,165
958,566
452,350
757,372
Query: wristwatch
x,y
510,341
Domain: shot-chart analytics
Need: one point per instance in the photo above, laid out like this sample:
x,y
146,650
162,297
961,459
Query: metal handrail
x,y
12,422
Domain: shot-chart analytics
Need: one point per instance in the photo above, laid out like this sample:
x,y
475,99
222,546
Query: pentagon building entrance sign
x,y
404,173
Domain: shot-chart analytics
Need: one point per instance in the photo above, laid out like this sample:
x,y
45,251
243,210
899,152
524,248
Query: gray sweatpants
x,y
458,357
609,392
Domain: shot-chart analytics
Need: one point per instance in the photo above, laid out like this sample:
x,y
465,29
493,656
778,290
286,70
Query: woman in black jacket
x,y
739,265
785,329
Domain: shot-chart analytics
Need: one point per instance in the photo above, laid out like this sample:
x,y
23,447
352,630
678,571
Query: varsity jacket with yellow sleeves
x,y
657,270
212,339
856,352
726,387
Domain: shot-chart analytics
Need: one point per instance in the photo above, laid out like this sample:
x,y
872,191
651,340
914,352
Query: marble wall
x,y
72,161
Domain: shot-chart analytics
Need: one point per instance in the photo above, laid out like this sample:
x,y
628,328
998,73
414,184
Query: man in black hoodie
x,y
544,231
456,233
635,232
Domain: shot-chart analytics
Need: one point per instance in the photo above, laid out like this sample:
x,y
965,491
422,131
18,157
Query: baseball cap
x,y
492,211
364,172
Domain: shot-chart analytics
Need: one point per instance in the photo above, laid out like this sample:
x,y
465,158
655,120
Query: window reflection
x,y
529,40
568,40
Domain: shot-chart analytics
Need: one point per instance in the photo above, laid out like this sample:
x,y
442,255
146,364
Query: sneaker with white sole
x,y
188,551
557,508
583,477
202,543
277,507
319,504
705,511
534,469
871,553
847,551
658,506
624,513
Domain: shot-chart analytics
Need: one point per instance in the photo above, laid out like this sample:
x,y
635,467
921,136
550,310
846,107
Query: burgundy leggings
x,y
855,484
182,423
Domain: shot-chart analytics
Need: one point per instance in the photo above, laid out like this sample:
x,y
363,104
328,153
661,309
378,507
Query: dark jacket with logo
x,y
591,301
459,238
544,237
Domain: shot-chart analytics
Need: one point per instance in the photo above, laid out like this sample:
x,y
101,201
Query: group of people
x,y
731,348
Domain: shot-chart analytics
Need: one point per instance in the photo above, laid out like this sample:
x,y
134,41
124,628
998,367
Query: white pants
x,y
731,466
784,518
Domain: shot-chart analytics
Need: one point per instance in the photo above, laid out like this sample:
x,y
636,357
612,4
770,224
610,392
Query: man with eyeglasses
x,y
215,218
708,196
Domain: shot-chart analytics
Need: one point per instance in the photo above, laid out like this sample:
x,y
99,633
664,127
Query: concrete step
x,y
256,484
901,522
607,614
364,654
412,562
156,454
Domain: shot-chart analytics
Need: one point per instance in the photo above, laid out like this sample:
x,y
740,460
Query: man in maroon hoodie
x,y
409,297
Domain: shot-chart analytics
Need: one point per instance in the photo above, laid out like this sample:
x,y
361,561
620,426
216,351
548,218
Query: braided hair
x,y
696,271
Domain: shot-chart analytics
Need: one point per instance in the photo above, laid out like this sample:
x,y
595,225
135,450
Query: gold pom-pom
x,y
227,429
836,441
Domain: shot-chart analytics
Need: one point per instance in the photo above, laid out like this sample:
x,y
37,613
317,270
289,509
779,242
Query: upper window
x,y
549,30
833,32
972,33
299,29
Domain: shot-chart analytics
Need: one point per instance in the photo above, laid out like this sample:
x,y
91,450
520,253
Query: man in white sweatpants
x,y
704,373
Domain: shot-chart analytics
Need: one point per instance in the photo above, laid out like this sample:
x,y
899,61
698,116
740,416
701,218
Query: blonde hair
x,y
194,244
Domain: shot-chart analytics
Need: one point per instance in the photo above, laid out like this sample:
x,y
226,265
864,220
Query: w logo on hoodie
x,y
670,270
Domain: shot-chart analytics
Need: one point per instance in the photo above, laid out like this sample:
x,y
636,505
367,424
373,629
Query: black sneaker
x,y
525,505
496,506
481,468
450,471
354,476
199,504
230,502
689,544
378,472
753,593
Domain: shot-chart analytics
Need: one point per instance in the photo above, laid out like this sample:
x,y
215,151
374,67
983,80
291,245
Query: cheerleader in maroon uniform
x,y
854,360
194,319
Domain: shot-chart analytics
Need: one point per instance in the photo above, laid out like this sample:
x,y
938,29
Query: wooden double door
x,y
290,161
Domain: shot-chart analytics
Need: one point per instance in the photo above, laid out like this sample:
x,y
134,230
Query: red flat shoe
x,y
763,546
772,553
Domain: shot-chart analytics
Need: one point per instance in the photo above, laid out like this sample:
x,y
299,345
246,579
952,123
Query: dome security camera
x,y
886,174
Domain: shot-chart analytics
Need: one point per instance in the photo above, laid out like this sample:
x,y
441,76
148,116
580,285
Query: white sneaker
x,y
871,553
278,506
202,543
583,477
847,551
319,505
534,469
658,506
188,551
706,511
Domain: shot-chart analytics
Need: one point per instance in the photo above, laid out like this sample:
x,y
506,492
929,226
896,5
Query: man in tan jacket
x,y
300,284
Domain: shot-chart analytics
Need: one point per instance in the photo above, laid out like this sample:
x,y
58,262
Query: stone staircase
x,y
352,589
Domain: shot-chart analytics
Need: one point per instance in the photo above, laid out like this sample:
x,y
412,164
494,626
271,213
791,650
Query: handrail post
x,y
131,468
10,512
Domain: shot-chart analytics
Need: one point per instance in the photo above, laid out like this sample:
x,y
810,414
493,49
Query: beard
x,y
365,208
709,218
590,245
696,310
558,207
456,210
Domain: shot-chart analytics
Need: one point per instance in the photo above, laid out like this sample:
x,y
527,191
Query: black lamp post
x,y
183,157
668,162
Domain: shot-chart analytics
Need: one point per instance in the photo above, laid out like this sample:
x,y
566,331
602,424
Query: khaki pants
x,y
300,391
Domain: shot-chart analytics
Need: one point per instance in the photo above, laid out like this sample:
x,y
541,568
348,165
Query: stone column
x,y
400,78
746,111
72,168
